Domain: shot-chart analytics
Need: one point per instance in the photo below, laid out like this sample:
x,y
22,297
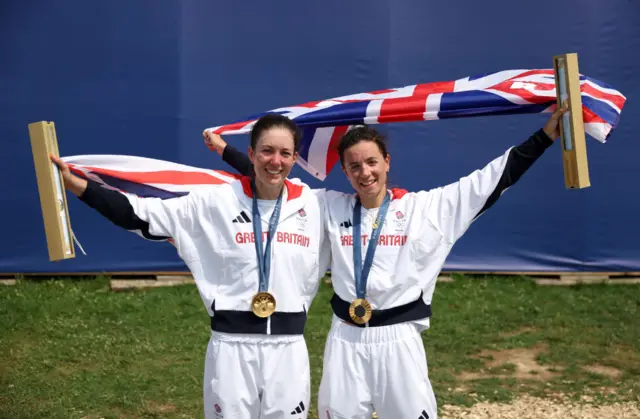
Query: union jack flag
x,y
145,177
506,92
324,122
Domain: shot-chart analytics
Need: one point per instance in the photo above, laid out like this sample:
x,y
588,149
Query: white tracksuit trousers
x,y
381,369
256,377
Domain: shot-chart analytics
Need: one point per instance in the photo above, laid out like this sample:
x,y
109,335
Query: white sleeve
x,y
166,217
152,218
454,207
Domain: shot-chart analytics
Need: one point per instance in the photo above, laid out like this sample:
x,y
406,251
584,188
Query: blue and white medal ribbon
x,y
263,303
360,309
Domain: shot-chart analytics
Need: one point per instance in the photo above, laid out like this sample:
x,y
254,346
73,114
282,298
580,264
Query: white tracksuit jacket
x,y
418,234
213,233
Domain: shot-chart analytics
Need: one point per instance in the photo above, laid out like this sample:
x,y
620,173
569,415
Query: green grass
x,y
74,349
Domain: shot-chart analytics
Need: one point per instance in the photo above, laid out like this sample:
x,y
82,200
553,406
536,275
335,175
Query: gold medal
x,y
360,311
263,304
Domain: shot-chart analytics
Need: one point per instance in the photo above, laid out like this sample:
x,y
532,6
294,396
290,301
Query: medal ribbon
x,y
264,255
361,272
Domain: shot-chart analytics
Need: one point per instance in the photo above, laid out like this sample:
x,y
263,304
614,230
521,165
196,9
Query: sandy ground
x,y
531,407
528,407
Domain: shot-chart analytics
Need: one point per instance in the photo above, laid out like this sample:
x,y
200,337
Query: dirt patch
x,y
610,372
514,363
535,408
154,407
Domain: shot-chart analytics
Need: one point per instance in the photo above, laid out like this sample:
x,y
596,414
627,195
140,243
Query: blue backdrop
x,y
145,77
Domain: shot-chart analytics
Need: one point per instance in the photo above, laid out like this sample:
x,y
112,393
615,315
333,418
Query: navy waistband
x,y
414,310
233,321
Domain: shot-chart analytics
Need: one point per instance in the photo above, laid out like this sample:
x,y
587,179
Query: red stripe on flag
x,y
426,89
510,86
308,104
381,92
528,73
523,91
615,99
590,117
584,88
412,108
169,177
332,151
233,127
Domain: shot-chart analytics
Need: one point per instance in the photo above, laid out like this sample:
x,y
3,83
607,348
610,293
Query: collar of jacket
x,y
290,206
293,191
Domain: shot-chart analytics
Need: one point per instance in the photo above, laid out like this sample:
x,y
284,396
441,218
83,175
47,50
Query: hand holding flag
x,y
552,127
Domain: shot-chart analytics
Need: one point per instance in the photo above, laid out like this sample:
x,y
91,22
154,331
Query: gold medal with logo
x,y
263,304
360,311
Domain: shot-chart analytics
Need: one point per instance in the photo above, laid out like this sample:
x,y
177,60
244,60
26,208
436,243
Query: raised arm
x,y
234,158
152,218
456,206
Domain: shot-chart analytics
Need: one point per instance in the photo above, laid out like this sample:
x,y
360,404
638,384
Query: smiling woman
x,y
273,152
364,158
257,363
